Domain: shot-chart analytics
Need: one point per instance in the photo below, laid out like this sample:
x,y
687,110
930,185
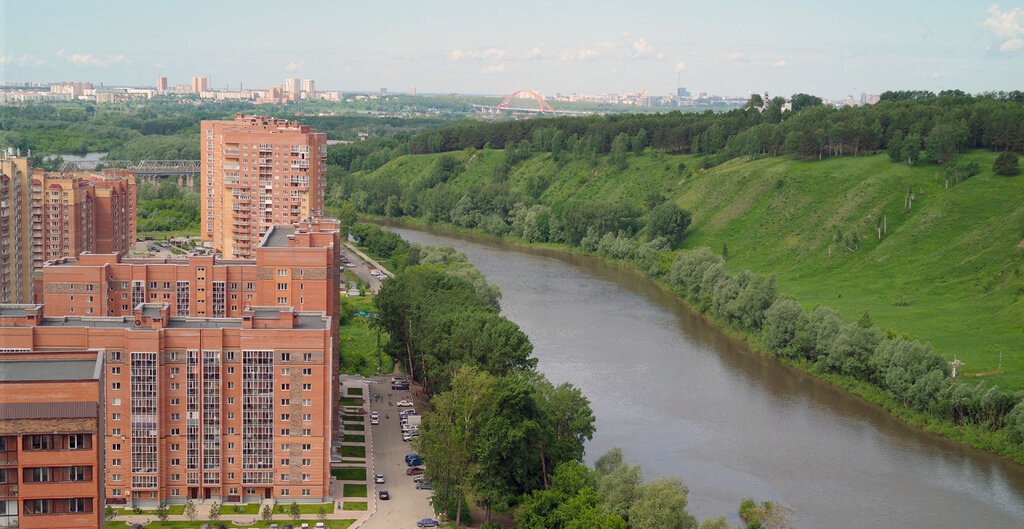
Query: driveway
x,y
361,269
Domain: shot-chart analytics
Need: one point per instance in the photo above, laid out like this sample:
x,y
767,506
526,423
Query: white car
x,y
409,436
374,420
379,478
404,404
374,415
405,413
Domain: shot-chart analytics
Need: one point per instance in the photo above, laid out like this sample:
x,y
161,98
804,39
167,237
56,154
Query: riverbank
x,y
993,442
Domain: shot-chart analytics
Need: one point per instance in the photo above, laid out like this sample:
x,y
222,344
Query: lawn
x,y
356,418
352,451
353,438
353,490
248,508
349,474
279,520
173,510
354,505
355,427
358,342
354,391
350,401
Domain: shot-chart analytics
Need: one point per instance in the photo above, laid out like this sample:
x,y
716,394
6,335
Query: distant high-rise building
x,y
309,87
200,85
412,91
682,92
16,229
257,172
383,91
161,84
293,86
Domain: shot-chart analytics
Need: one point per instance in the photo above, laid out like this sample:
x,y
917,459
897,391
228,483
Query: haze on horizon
x,y
725,48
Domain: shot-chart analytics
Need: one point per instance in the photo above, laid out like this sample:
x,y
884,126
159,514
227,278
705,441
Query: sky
x,y
723,47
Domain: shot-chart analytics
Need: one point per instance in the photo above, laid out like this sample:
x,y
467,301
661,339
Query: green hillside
x,y
949,270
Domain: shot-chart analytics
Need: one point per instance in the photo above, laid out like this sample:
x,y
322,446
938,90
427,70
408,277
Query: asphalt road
x,y
362,269
407,504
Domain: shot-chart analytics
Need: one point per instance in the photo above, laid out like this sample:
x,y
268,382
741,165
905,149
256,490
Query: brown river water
x,y
683,399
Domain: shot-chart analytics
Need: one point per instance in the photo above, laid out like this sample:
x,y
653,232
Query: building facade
x,y
258,172
51,449
200,85
161,84
231,409
17,212
295,266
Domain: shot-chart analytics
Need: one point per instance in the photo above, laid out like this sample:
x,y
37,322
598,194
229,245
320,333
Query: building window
x,y
175,477
307,387
175,447
282,301
115,402
285,462
115,370
307,477
115,385
286,371
284,431
116,447
175,492
306,417
282,272
285,402
307,357
175,462
115,462
286,357
307,371
286,417
115,431
285,387
306,447
307,462
284,492
306,432
115,416
307,402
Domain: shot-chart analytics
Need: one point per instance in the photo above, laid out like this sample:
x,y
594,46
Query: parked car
x,y
412,471
374,420
424,486
412,456
379,478
384,495
418,479
409,436
414,462
428,522
405,404
400,387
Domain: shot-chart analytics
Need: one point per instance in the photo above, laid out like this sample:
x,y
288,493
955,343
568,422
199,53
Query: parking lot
x,y
407,503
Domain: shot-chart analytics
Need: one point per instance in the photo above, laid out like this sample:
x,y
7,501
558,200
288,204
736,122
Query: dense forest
x,y
619,187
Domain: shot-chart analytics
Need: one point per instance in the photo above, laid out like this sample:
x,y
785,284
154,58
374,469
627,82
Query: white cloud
x,y
936,75
680,66
737,57
535,53
88,59
494,68
24,60
584,54
294,65
1012,45
641,48
1007,27
488,54
780,64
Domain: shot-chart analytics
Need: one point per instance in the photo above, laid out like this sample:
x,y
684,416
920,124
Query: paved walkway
x,y
369,260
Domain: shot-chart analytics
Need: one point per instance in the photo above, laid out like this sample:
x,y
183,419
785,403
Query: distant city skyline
x,y
726,48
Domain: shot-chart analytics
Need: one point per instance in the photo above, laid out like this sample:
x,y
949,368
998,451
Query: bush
x,y
1006,164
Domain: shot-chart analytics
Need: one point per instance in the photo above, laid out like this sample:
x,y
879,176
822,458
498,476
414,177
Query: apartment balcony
x,y
300,164
231,167
9,457
231,152
8,490
266,162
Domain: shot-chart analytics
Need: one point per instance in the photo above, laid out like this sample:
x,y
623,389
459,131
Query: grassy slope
x,y
955,260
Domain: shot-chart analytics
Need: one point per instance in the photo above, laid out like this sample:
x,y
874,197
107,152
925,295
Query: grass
x,y
354,391
948,271
350,401
358,342
173,510
355,427
314,508
168,234
354,505
355,418
353,438
248,508
279,520
352,451
349,474
355,490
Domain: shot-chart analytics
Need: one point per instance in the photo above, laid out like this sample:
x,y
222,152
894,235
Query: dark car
x,y
414,471
428,522
411,456
425,486
384,495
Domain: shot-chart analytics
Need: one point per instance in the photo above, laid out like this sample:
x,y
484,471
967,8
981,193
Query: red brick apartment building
x,y
233,409
51,450
258,172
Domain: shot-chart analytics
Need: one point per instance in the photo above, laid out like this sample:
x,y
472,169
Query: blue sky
x,y
721,47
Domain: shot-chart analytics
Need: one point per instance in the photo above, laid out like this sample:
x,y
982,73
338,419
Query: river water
x,y
685,400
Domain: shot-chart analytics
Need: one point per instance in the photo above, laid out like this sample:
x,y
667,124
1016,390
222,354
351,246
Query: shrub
x,y
1006,164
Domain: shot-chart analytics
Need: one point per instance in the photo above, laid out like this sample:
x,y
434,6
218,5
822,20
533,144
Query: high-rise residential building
x,y
16,221
161,84
51,438
309,88
228,409
295,266
200,85
412,91
85,212
258,172
293,86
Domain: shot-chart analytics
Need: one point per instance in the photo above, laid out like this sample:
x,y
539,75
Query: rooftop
x,y
277,237
18,309
51,369
305,320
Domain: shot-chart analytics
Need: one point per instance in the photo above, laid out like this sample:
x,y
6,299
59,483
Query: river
x,y
685,400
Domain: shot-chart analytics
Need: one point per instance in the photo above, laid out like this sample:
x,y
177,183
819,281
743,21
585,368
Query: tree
x,y
267,513
911,149
802,101
618,483
661,505
109,513
1006,164
321,513
620,147
162,511
294,512
214,511
668,220
190,511
755,101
